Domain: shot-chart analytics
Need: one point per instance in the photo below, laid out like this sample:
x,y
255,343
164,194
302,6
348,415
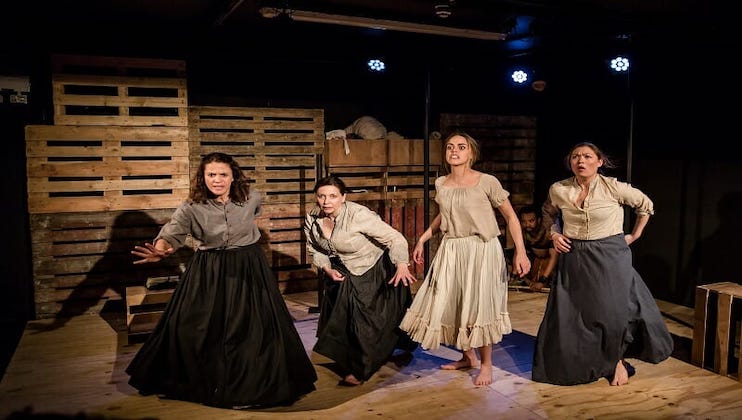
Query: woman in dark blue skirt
x,y
599,310
226,338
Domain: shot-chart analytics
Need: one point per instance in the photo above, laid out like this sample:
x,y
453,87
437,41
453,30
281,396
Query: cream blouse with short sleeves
x,y
469,211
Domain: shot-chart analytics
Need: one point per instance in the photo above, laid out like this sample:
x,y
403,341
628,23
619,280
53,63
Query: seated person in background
x,y
539,248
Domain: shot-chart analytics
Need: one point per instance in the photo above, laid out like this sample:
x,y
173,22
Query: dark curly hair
x,y
239,191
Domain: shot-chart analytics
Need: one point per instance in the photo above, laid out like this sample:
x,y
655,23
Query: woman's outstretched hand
x,y
149,253
403,275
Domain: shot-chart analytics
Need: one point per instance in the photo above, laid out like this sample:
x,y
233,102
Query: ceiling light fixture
x,y
442,10
391,25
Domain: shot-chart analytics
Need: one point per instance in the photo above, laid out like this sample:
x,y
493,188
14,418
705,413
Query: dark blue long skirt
x,y
599,311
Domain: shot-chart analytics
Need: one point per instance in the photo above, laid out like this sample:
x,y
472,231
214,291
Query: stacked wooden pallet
x,y
104,177
280,149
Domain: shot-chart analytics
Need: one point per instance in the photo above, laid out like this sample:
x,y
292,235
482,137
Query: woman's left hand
x,y
403,275
629,238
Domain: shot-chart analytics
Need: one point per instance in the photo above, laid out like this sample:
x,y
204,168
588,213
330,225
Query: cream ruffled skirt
x,y
463,300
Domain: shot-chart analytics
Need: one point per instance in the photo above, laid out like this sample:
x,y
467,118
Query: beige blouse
x,y
469,211
601,214
358,239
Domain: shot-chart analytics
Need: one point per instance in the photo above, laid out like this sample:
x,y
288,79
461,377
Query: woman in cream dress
x,y
463,300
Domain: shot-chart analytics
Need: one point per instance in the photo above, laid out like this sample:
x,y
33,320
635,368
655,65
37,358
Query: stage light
x,y
620,64
376,65
519,77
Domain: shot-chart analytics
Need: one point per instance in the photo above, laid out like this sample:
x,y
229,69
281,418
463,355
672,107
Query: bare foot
x,y
350,380
464,363
621,375
485,376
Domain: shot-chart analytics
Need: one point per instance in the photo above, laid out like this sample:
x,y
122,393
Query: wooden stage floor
x,y
76,370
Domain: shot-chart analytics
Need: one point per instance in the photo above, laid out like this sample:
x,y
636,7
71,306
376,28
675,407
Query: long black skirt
x,y
226,338
359,319
599,311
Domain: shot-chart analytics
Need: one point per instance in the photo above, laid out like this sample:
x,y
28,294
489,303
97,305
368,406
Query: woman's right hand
x,y
334,274
561,243
149,253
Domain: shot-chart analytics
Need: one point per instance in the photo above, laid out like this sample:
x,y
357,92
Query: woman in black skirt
x,y
226,338
599,310
362,261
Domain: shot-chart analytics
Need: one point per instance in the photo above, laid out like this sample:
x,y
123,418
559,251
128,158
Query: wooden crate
x,y
119,91
406,152
96,168
384,169
362,152
716,333
381,152
279,148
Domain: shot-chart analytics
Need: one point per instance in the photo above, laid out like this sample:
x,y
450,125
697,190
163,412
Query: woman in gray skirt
x,y
599,311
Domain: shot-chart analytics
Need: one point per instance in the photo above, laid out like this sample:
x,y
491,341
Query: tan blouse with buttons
x,y
601,214
359,239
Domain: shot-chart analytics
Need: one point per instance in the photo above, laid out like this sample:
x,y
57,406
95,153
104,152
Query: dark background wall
x,y
682,128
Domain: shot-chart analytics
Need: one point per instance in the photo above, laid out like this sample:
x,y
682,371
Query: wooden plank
x,y
140,295
84,204
698,351
723,324
46,133
70,63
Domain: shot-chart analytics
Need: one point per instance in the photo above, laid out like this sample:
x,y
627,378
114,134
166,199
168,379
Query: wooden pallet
x,y
279,148
119,91
81,260
98,168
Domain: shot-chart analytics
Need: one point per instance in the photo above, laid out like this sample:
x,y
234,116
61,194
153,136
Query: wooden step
x,y
144,308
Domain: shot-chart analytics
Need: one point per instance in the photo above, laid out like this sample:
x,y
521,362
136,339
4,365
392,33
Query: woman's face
x,y
584,162
330,199
218,178
458,151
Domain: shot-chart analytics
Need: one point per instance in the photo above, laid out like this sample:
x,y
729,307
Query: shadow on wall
x,y
116,270
714,258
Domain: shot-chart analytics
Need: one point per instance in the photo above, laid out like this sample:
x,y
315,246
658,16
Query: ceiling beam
x,y
384,24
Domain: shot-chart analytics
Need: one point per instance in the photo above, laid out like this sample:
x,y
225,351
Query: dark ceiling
x,y
233,51
181,26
